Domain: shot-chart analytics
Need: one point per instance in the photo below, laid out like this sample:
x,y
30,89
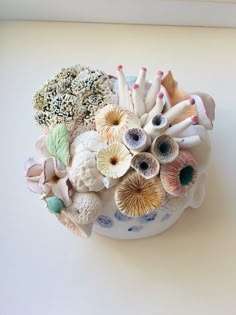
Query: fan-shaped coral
x,y
112,122
137,196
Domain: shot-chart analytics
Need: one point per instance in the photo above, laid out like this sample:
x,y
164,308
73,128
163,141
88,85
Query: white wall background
x,y
46,270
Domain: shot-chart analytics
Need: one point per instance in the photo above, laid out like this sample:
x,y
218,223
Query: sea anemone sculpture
x,y
119,152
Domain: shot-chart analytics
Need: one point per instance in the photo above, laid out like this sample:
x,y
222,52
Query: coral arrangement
x,y
138,138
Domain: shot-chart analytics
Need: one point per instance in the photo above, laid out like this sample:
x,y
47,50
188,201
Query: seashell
x,y
85,208
112,122
150,98
136,196
157,125
181,126
157,109
114,160
165,149
137,97
174,93
174,113
137,140
205,108
124,97
79,230
145,164
178,176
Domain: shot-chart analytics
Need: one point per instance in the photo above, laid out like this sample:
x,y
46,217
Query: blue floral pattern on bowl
x,y
135,228
148,217
166,216
121,217
105,222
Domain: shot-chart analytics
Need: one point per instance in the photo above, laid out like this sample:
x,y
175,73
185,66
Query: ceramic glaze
x,y
123,157
112,223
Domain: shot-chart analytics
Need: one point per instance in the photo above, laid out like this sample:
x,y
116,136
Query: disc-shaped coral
x,y
145,164
112,122
178,176
114,160
136,196
165,149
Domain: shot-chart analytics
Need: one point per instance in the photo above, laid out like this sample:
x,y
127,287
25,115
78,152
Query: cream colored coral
x,y
91,139
83,173
85,208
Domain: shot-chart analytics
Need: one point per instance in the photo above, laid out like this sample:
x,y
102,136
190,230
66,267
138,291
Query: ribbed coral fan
x,y
101,131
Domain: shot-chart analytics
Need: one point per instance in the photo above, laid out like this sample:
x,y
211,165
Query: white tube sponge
x,y
181,126
141,80
124,96
157,109
178,109
153,91
139,107
200,152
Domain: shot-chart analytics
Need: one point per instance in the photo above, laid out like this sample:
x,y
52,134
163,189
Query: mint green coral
x,y
57,143
55,204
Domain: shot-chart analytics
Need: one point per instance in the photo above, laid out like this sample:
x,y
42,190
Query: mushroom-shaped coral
x,y
112,122
136,139
137,196
145,164
85,208
114,160
165,148
178,176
